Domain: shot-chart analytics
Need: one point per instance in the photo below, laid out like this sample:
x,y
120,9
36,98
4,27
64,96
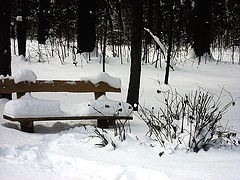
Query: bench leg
x,y
105,123
112,123
20,94
102,123
27,126
99,94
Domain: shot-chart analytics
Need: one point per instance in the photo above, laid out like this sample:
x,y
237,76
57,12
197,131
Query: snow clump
x,y
25,75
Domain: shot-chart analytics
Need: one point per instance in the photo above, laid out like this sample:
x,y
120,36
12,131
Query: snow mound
x,y
102,106
25,75
28,106
105,77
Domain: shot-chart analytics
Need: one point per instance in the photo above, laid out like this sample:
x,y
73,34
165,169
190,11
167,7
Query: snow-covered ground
x,y
67,150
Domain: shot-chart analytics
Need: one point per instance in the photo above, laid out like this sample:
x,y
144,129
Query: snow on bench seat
x,y
31,107
28,106
28,109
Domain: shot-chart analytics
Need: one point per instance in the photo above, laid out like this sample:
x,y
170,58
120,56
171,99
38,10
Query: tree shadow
x,y
51,127
11,125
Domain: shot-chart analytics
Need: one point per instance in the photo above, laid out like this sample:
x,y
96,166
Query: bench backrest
x,y
8,86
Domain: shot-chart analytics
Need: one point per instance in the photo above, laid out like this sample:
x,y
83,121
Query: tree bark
x,y
5,49
136,48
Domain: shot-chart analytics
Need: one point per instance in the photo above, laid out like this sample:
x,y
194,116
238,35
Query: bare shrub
x,y
120,129
104,139
191,120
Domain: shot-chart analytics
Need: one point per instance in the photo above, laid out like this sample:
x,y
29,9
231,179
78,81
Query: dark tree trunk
x,y
110,20
43,21
5,50
170,37
120,18
104,42
201,27
157,19
22,28
149,25
136,48
189,22
86,26
149,21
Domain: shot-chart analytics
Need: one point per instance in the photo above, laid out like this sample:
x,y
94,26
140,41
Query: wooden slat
x,y
8,86
67,118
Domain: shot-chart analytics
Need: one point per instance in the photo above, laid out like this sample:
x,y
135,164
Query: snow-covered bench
x,y
14,110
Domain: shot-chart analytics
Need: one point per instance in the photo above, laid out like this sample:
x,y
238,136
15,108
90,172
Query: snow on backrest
x,y
105,77
25,75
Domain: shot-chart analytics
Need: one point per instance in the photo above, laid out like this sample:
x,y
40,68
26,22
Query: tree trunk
x,y
43,21
157,20
170,37
119,12
5,50
149,21
136,48
22,29
86,26
201,27
104,43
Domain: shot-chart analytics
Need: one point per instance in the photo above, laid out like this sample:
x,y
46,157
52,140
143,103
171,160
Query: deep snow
x,y
66,150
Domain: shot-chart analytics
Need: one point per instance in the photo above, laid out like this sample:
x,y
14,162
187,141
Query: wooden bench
x,y
8,86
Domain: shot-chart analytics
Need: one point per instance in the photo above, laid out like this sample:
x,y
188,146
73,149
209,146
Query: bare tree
x,y
5,50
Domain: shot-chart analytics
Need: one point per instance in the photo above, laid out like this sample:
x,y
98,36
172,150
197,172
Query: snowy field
x,y
67,150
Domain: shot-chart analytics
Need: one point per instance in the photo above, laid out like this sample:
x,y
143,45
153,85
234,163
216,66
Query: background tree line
x,y
216,21
83,26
